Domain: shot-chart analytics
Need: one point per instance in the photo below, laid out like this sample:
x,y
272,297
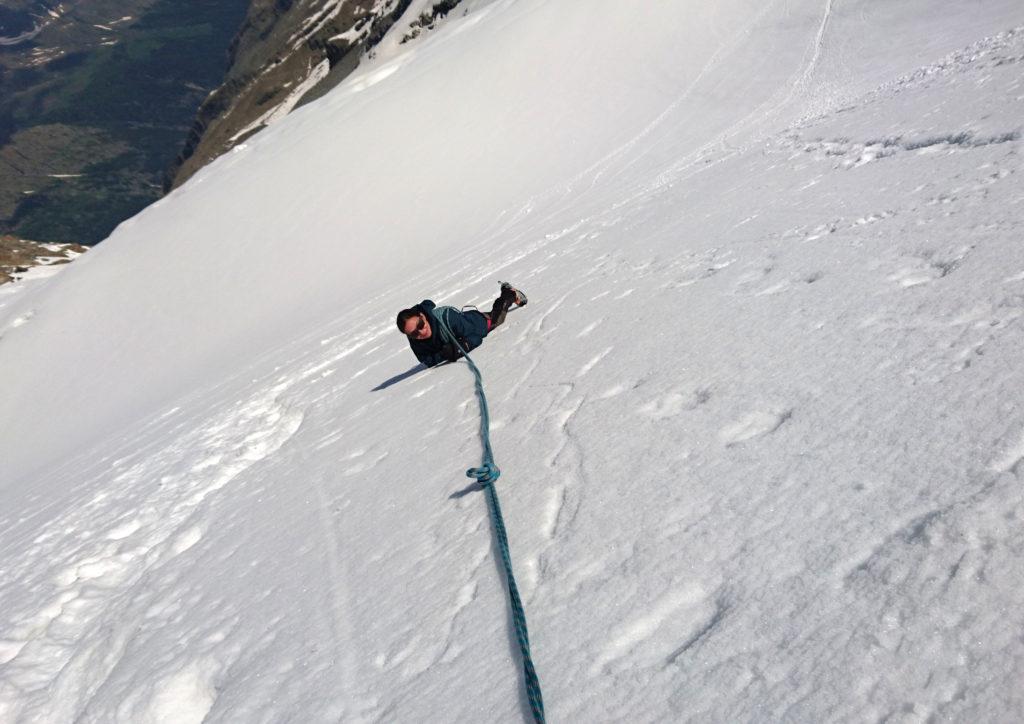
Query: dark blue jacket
x,y
470,327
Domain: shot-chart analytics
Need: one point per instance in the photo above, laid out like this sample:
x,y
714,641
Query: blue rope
x,y
486,474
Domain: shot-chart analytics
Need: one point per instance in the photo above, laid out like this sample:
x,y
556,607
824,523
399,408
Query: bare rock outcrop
x,y
288,52
19,256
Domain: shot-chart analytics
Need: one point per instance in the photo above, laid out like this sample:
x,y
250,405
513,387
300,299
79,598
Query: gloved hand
x,y
450,352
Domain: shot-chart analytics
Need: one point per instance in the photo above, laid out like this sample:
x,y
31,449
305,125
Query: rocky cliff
x,y
289,52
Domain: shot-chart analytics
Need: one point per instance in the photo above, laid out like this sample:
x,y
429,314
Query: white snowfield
x,y
761,425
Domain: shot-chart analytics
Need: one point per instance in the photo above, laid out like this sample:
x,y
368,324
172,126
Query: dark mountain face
x,y
95,99
14,23
99,98
278,46
289,52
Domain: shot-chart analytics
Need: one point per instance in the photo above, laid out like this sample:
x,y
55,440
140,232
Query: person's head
x,y
414,324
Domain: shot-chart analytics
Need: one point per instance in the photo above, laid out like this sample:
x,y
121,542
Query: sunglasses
x,y
420,326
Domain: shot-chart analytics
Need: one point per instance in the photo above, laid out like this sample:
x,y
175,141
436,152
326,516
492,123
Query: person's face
x,y
417,327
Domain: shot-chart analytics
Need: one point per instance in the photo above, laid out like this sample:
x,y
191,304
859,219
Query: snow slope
x,y
760,426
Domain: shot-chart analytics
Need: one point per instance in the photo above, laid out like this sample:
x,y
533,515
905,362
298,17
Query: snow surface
x,y
761,426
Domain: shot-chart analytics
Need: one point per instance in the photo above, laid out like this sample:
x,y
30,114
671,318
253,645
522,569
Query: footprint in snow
x,y
123,530
622,387
589,328
911,277
613,391
593,362
1009,454
661,631
185,694
553,511
755,275
929,267
361,466
752,425
787,284
675,403
23,319
774,289
421,392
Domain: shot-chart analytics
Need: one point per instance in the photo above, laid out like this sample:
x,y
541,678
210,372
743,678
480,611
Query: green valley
x,y
96,99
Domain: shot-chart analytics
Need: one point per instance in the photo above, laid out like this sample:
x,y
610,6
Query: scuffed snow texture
x,y
761,426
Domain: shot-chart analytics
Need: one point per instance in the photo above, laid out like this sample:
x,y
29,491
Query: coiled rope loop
x,y
486,474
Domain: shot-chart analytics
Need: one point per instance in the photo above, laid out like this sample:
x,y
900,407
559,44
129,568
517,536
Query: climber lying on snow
x,y
420,325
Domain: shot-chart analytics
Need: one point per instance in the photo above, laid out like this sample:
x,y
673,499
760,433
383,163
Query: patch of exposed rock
x,y
19,256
